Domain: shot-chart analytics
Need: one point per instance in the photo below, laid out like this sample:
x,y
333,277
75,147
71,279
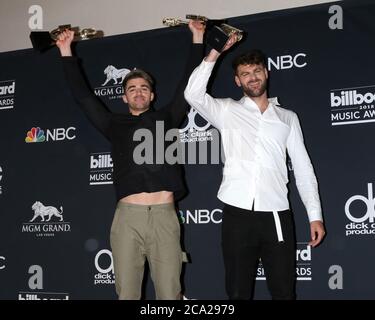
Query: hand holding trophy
x,y
219,31
43,40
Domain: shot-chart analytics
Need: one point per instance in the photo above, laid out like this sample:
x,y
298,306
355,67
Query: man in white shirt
x,y
256,136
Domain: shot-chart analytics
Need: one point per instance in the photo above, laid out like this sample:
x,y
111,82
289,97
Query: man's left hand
x,y
317,232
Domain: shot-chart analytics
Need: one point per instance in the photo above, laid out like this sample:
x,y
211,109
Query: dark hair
x,y
254,56
138,73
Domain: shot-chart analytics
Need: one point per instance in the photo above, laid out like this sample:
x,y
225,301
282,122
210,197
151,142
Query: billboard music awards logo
x,y
112,86
360,210
200,216
101,168
35,284
194,132
303,263
46,221
352,105
36,134
104,267
7,94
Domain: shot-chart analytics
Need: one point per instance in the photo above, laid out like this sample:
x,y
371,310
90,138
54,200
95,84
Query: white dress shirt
x,y
255,146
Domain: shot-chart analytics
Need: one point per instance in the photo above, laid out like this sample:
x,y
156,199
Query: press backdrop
x,y
319,68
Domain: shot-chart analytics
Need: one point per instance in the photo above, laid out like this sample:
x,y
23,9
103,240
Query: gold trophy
x,y
174,22
43,40
219,31
229,30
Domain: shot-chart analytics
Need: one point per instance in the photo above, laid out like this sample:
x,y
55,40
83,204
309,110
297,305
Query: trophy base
x,y
41,40
217,38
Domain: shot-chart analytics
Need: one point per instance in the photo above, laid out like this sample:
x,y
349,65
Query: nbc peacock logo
x,y
35,135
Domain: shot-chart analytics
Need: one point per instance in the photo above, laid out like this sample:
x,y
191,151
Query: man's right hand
x,y
197,28
64,41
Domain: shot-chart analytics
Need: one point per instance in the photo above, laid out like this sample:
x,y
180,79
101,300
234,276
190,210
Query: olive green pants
x,y
141,232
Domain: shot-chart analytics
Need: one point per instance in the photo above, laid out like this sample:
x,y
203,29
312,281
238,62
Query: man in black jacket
x,y
145,224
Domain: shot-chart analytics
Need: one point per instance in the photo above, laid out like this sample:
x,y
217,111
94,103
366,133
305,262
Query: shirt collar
x,y
150,110
270,114
272,102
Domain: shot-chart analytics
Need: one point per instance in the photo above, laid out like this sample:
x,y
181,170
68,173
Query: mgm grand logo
x,y
112,86
46,221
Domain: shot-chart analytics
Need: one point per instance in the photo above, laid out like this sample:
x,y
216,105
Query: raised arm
x,y
94,109
196,90
178,106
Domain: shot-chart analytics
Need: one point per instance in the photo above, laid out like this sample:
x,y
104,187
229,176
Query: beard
x,y
139,105
254,93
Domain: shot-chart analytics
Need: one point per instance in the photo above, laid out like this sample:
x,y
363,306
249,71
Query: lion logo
x,y
113,74
42,211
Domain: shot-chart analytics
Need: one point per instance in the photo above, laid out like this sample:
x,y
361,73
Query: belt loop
x,y
278,226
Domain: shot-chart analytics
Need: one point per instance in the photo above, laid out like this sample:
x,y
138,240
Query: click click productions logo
x,y
101,168
46,221
193,132
303,263
352,105
36,134
115,77
2,263
362,221
104,267
7,94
